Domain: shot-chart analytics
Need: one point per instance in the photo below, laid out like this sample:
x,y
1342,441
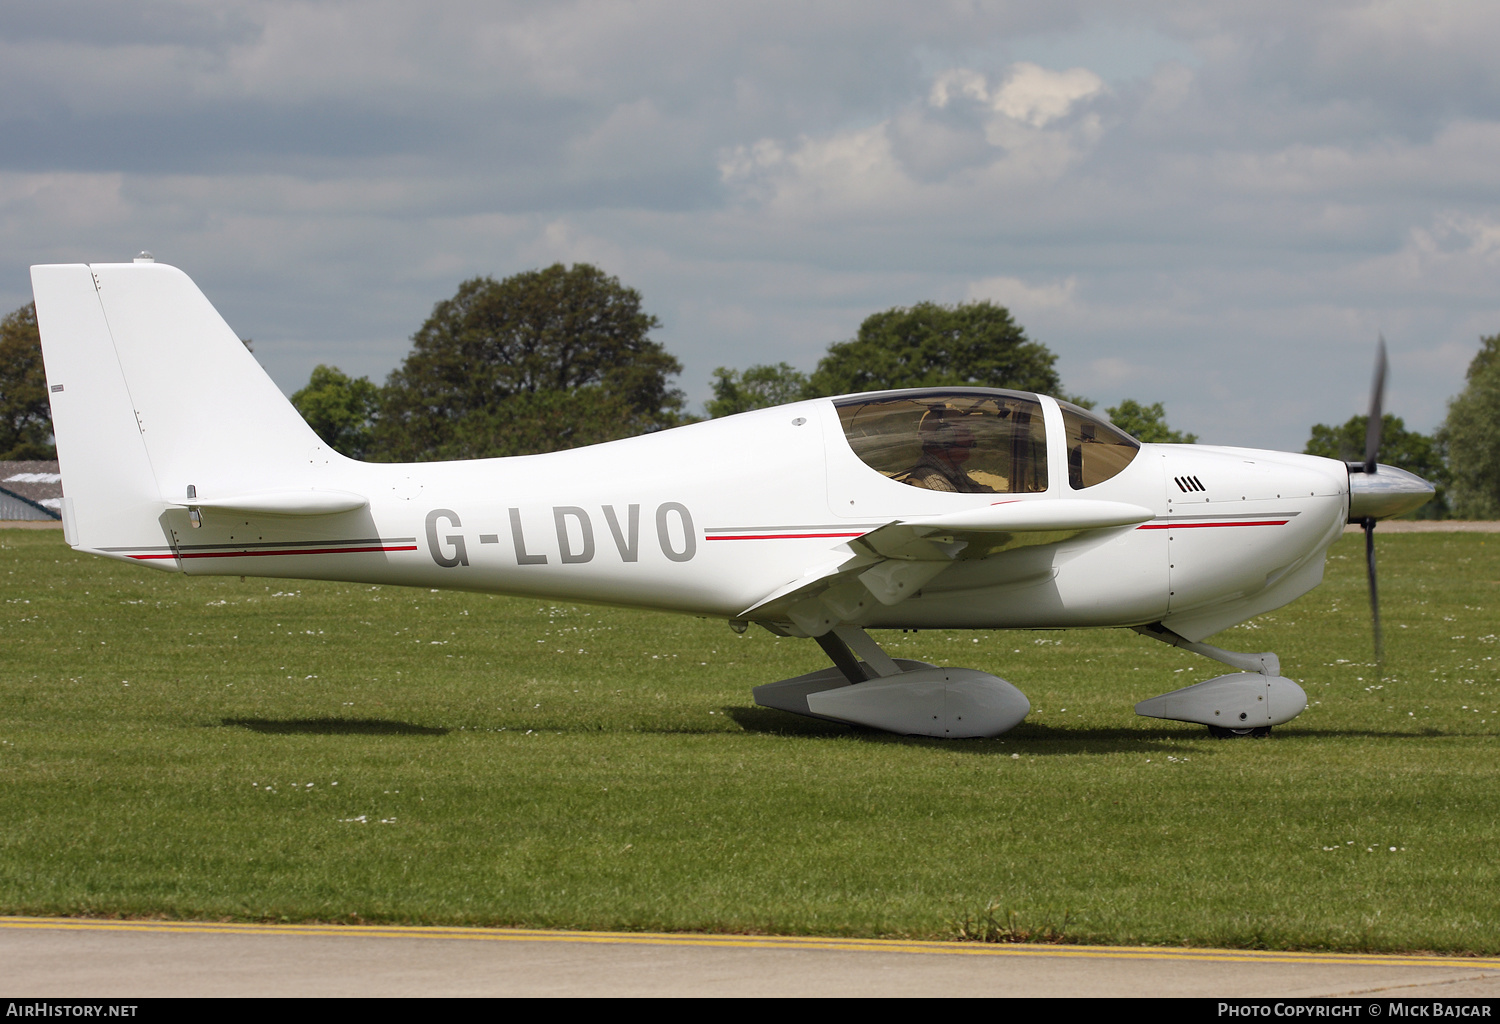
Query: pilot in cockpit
x,y
946,445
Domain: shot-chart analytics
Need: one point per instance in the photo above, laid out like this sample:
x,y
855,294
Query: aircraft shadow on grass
x,y
335,727
1035,738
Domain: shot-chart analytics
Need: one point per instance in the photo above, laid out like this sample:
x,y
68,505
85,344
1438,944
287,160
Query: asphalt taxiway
x,y
69,957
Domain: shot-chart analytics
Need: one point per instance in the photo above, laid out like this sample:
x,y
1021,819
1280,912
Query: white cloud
x,y
911,167
1038,96
1030,93
1022,298
958,83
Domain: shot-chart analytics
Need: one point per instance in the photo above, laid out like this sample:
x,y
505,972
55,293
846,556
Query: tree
x,y
1147,423
759,387
340,409
541,361
1471,436
930,345
25,413
544,421
1399,447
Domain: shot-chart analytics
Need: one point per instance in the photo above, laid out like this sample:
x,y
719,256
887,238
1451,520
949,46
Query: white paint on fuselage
x,y
752,488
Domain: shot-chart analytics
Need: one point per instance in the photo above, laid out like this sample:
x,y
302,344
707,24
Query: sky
x,y
1216,206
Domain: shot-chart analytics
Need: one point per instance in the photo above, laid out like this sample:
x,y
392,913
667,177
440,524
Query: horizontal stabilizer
x,y
283,503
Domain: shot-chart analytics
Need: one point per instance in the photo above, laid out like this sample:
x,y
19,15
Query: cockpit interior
x,y
978,440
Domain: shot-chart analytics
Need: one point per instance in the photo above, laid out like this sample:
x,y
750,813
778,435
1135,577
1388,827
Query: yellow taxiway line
x,y
477,934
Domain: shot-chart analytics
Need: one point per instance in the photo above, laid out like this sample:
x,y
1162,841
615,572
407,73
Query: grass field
x,y
303,751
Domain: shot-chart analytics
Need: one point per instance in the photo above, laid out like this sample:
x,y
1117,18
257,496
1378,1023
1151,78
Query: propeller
x,y
1373,427
1377,398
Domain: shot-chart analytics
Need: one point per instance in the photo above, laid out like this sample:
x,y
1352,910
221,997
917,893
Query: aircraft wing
x,y
894,561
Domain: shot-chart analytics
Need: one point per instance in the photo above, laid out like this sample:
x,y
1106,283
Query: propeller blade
x,y
1369,525
1374,423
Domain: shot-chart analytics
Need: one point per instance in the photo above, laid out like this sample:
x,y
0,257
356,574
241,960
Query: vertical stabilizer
x,y
210,416
153,394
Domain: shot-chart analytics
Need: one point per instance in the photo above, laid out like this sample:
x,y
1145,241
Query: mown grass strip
x,y
211,748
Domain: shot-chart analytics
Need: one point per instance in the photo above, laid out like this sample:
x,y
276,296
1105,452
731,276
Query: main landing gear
x,y
868,687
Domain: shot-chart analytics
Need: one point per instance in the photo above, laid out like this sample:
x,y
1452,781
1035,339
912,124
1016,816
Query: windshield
x,y
975,441
1097,449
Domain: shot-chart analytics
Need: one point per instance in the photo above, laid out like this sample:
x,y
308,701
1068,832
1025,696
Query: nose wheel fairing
x,y
1238,701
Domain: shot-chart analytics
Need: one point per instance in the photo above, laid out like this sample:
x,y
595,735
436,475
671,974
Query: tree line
x,y
562,357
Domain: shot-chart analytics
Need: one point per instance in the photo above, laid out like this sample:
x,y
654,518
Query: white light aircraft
x,y
938,508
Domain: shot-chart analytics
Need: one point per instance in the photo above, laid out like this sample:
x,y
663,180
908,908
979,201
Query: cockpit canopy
x,y
1097,449
971,440
978,440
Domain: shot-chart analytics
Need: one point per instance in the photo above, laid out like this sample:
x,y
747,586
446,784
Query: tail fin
x,y
152,393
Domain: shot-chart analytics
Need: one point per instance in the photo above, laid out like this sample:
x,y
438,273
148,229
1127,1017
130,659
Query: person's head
x,y
945,434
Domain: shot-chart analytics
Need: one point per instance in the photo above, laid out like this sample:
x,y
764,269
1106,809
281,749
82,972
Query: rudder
x,y
111,498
